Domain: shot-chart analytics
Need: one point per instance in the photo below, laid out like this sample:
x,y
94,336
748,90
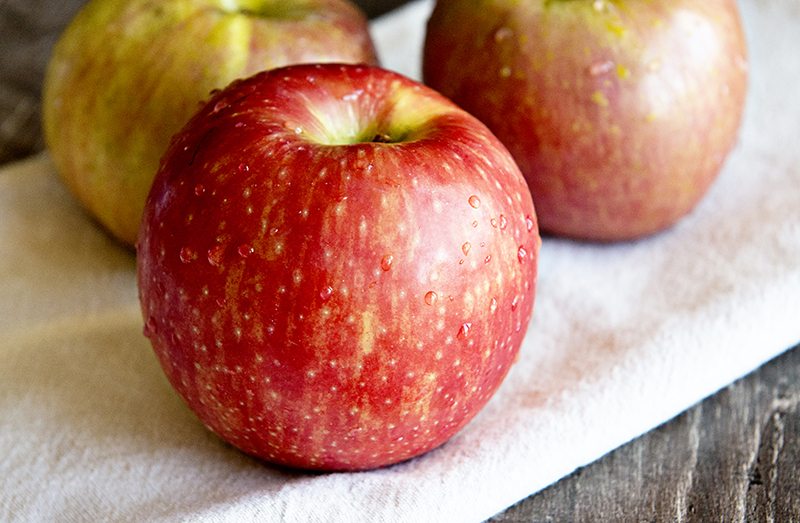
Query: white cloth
x,y
624,337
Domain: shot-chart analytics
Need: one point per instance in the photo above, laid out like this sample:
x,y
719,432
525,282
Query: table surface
x,y
732,457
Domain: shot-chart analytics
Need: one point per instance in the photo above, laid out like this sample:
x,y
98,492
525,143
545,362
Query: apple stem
x,y
381,138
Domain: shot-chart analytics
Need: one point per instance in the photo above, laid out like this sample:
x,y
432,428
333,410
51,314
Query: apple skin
x,y
336,266
619,114
127,74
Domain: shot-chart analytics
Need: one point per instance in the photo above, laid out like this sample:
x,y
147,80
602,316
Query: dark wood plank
x,y
733,457
28,30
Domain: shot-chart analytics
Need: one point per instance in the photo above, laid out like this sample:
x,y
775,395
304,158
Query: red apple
x,y
336,266
619,114
127,74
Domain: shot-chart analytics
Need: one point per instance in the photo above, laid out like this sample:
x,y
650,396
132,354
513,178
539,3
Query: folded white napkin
x,y
624,337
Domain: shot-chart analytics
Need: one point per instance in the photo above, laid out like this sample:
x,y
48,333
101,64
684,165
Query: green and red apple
x,y
620,114
336,266
127,74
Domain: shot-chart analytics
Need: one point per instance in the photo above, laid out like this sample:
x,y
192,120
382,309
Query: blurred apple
x,y
127,74
619,114
336,266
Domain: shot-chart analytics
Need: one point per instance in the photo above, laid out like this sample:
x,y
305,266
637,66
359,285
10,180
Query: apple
x,y
336,266
619,114
127,74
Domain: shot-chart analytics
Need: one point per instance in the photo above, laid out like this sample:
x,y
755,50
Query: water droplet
x,y
504,33
273,231
431,297
493,305
475,223
466,247
503,222
239,125
245,250
601,67
493,221
474,201
214,255
463,332
386,262
243,168
514,303
529,223
487,259
187,255
150,327
199,189
221,302
326,293
222,104
522,254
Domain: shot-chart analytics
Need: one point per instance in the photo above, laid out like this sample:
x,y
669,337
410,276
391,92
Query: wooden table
x,y
732,457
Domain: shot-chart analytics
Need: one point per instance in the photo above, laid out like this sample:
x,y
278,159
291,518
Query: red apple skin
x,y
127,74
337,266
619,114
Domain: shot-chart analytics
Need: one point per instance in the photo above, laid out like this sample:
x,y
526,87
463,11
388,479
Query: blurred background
x,y
28,31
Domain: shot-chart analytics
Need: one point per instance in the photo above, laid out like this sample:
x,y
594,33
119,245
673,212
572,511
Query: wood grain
x,y
733,457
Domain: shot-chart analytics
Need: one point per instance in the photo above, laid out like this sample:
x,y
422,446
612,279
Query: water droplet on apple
x,y
493,305
601,67
503,222
529,223
466,248
504,33
493,221
475,224
243,167
222,104
199,189
522,254
474,201
150,327
463,332
214,255
386,262
245,250
187,255
487,259
326,293
514,303
431,297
